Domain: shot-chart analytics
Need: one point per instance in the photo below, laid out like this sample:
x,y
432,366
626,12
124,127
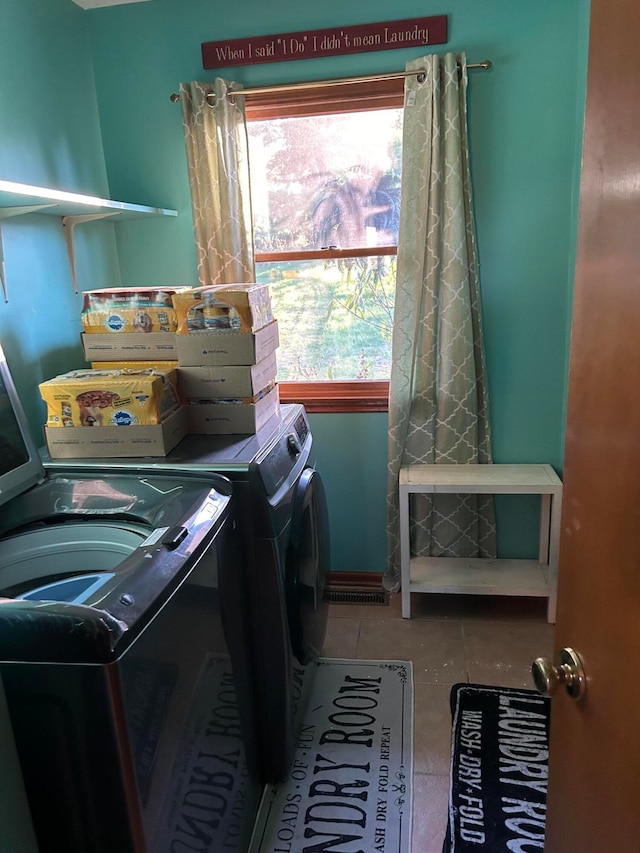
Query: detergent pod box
x,y
235,416
241,307
226,347
95,398
130,346
170,368
119,441
141,310
112,413
129,324
227,381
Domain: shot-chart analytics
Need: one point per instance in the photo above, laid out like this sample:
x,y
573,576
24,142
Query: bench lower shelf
x,y
478,576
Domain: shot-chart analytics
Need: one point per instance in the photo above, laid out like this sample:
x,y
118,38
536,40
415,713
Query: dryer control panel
x,y
288,452
301,428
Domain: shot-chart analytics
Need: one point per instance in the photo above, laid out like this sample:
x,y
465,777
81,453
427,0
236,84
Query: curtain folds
x,y
438,404
218,165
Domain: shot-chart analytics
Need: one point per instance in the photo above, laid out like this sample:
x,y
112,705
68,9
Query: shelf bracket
x,y
7,213
69,223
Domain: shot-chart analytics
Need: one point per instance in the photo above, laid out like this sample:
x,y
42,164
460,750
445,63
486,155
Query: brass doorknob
x,y
569,672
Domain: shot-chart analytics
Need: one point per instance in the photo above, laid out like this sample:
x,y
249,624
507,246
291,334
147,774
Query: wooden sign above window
x,y
313,44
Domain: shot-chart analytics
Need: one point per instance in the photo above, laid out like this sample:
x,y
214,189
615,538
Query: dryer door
x,y
306,567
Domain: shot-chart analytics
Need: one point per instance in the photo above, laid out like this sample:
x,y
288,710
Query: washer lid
x,y
20,465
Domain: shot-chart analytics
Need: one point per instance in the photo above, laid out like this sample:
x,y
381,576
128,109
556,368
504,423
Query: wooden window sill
x,y
356,396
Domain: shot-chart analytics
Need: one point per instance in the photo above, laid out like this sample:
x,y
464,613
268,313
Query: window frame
x,y
326,99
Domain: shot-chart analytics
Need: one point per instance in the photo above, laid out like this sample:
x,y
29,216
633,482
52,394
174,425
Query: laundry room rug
x,y
499,766
349,789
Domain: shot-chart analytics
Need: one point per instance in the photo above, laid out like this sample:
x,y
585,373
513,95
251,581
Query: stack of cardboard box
x,y
226,344
165,362
127,404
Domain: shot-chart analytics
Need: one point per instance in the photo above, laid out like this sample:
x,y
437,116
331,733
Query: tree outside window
x,y
326,202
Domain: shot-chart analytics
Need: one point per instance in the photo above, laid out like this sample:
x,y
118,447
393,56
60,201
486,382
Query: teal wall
x,y
525,120
85,106
351,455
49,136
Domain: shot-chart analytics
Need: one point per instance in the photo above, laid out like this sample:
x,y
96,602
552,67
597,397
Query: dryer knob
x,y
293,446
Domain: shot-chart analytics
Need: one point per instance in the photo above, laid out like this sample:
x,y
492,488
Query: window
x,y
325,176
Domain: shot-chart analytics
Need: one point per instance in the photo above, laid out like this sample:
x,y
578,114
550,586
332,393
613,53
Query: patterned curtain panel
x,y
215,134
438,407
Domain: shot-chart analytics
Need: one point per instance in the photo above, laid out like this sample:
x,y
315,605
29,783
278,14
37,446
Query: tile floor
x,y
449,639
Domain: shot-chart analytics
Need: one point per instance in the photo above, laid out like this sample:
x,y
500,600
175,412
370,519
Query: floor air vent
x,y
356,596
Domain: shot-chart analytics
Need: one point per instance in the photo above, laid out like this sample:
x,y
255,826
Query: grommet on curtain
x,y
421,77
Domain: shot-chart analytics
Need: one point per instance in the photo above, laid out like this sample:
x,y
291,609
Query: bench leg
x,y
405,556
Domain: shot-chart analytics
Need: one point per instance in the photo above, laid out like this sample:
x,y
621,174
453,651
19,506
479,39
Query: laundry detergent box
x,y
164,366
245,307
226,347
130,346
125,441
225,381
138,310
100,398
232,416
168,367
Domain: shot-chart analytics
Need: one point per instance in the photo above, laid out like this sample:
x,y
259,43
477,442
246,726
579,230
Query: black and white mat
x,y
499,767
350,785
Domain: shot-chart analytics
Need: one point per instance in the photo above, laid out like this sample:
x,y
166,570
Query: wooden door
x,y
594,774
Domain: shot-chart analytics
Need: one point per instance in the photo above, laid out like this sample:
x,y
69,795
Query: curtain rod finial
x,y
174,98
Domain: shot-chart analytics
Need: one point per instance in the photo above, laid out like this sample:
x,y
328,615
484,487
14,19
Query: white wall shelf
x,y
73,209
480,576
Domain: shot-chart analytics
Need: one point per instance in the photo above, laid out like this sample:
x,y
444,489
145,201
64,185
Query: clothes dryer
x,y
124,653
283,520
